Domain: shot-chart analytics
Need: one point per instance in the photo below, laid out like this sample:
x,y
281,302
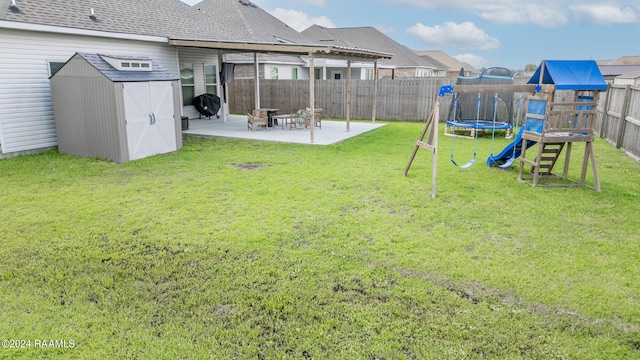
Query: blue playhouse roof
x,y
570,75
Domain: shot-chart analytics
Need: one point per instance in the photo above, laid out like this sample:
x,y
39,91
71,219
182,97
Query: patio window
x,y
188,88
210,79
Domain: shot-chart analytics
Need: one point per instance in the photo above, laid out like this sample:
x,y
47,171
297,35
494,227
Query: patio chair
x,y
303,118
257,118
299,119
317,117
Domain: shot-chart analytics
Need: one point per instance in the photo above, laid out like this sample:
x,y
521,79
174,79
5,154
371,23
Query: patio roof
x,y
285,48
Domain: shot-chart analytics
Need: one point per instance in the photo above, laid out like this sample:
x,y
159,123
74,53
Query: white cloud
x,y
545,13
466,36
605,14
299,20
318,3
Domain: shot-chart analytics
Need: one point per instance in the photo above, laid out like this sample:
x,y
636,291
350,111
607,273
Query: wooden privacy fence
x,y
618,118
398,99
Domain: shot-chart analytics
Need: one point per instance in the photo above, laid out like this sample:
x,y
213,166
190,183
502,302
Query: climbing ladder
x,y
548,158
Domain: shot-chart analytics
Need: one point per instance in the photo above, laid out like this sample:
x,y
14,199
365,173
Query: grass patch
x,y
259,250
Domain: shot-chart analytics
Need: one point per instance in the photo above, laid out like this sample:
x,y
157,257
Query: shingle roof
x,y
615,70
369,38
257,25
450,62
222,20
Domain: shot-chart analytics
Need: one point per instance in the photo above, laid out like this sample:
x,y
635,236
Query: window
x,y
54,66
368,74
210,79
186,79
317,74
294,74
336,75
274,73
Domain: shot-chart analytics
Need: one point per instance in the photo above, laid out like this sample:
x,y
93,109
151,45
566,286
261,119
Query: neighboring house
x,y
611,72
276,67
450,65
626,60
37,37
623,67
404,63
629,78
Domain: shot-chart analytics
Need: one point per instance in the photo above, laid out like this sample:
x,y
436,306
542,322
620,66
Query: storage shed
x,y
115,107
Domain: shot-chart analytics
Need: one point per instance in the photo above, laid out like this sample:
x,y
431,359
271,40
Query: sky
x,y
483,33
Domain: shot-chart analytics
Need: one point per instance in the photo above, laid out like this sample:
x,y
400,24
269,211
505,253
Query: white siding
x,y
199,58
26,109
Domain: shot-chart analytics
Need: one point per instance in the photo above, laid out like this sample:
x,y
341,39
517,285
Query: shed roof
x,y
569,75
157,73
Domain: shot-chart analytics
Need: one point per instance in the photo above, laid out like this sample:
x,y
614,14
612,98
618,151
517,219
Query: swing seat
x,y
465,166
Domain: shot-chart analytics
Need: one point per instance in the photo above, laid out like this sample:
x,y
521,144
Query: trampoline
x,y
483,111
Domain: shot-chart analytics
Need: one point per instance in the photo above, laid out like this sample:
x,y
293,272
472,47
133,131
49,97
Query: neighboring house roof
x,y
626,60
616,70
370,38
157,73
451,63
630,75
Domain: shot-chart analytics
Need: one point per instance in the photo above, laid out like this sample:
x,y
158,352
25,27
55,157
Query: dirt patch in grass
x,y
250,166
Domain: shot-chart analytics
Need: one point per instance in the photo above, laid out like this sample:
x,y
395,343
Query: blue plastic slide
x,y
510,153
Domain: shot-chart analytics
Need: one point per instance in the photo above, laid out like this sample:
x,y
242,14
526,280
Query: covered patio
x,y
332,131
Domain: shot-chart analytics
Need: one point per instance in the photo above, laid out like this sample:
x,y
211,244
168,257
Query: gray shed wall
x,y
87,113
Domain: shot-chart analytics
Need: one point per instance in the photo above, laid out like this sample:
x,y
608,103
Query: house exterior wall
x,y
26,106
246,71
199,58
285,72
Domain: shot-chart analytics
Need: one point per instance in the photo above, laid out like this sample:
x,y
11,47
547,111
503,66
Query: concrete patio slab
x,y
236,127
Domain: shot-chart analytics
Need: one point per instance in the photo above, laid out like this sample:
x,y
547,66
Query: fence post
x,y
623,116
605,112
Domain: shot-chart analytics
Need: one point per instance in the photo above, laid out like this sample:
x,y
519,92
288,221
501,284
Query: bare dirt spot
x,y
250,166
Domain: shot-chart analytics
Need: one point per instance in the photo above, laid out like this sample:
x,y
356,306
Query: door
x,y
164,125
150,123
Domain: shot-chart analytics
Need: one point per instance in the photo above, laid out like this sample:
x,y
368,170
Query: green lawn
x,y
233,249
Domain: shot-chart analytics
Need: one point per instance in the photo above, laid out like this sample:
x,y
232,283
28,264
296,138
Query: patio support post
x,y
224,105
348,110
256,70
375,92
312,105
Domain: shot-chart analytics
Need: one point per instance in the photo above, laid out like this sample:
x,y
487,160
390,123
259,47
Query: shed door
x,y
164,126
149,118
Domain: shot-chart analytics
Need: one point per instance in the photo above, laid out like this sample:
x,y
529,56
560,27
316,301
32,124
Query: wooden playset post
x,y
431,144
